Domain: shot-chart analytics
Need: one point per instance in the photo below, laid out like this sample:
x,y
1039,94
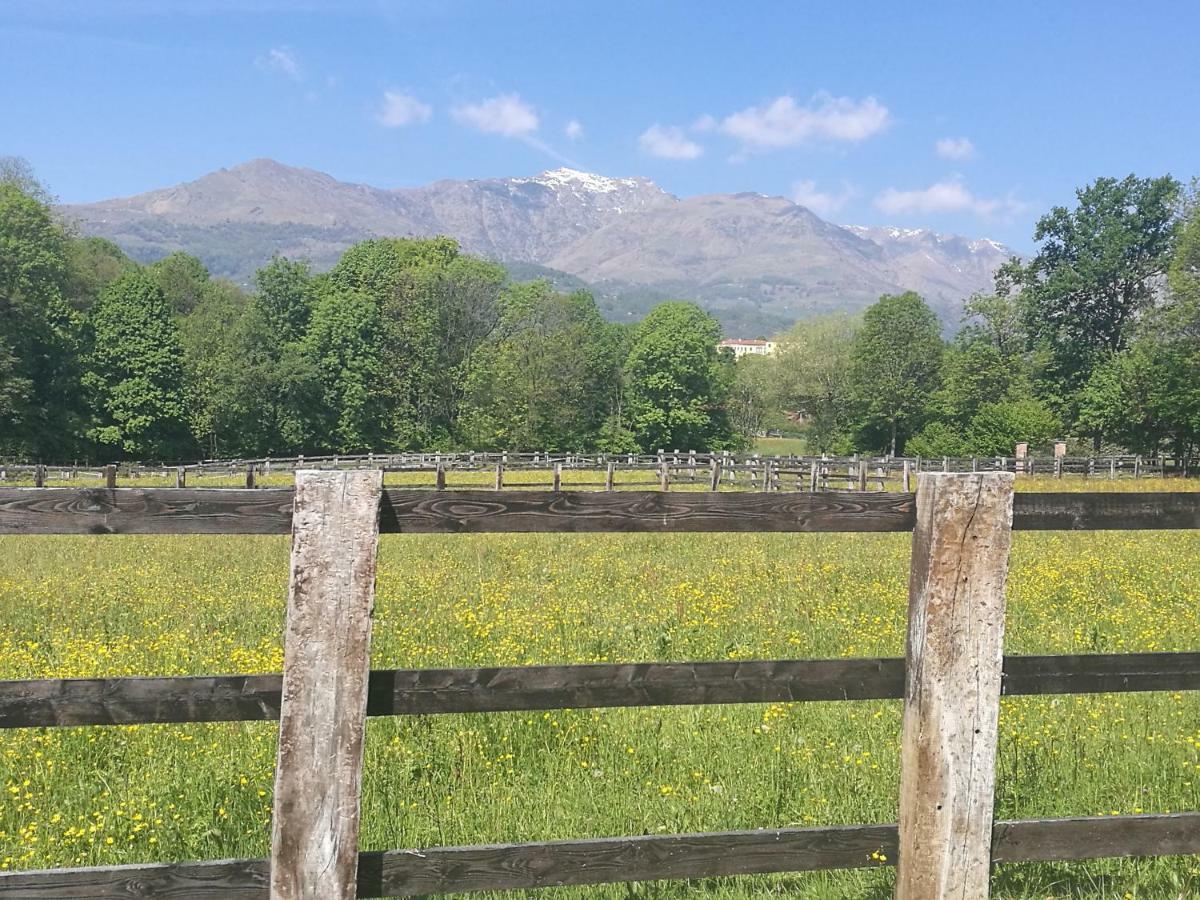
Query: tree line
x,y
404,344
413,345
1095,339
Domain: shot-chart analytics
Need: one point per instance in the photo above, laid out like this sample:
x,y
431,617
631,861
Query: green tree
x,y
814,364
1096,271
135,373
41,409
548,378
677,388
183,280
342,344
895,367
755,399
436,307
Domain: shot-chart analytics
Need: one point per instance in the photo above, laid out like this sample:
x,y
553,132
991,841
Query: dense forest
x,y
403,344
411,344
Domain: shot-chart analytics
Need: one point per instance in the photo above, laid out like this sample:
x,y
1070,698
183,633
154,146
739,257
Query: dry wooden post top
x,y
335,532
110,477
952,684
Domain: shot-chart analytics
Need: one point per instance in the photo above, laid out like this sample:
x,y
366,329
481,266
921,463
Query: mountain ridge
x,y
757,262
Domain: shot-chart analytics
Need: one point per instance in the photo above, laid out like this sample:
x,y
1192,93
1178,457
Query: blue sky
x,y
966,117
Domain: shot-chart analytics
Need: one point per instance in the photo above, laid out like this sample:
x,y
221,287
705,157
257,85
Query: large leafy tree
x,y
1097,269
436,307
342,344
135,372
677,386
814,369
895,367
548,378
40,403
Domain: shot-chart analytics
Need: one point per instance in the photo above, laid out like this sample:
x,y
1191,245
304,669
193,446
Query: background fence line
x,y
663,469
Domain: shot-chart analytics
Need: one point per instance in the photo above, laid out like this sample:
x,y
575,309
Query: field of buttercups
x,y
92,606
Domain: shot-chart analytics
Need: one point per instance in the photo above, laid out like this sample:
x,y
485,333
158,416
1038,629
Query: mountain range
x,y
757,262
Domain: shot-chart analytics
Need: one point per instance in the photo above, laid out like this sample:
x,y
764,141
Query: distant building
x,y
743,346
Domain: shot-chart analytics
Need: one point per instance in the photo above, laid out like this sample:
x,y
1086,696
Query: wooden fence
x,y
663,469
951,682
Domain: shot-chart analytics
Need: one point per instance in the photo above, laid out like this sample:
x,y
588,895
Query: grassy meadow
x,y
172,605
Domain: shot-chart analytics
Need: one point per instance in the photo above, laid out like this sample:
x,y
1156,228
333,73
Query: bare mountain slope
x,y
758,262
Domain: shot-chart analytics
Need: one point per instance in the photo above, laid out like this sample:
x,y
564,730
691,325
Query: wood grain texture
x,y
611,860
326,664
226,511
144,511
237,879
423,512
1096,837
238,698
952,684
617,860
1065,511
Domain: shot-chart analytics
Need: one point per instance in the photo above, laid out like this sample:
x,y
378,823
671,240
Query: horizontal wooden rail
x,y
248,698
399,873
269,511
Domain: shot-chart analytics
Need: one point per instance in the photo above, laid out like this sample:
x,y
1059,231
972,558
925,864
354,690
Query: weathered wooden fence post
x,y
39,475
610,475
557,485
714,481
314,835
952,684
499,476
812,476
664,475
180,477
250,475
439,478
906,477
862,474
110,477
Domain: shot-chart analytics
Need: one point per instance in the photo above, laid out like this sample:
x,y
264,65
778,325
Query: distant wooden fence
x,y
662,470
951,681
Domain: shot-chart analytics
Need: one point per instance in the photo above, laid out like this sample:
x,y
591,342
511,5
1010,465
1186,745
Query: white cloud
x,y
785,123
402,108
505,114
668,142
704,124
282,60
955,148
950,195
823,203
574,130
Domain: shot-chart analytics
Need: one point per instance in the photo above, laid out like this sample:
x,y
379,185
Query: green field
x,y
88,606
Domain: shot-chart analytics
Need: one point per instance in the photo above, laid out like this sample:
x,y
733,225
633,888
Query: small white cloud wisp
x,y
951,195
785,123
282,60
401,108
668,142
958,149
573,130
823,203
505,114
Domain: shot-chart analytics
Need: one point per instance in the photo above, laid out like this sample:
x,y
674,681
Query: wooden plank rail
x,y
398,873
268,511
394,692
